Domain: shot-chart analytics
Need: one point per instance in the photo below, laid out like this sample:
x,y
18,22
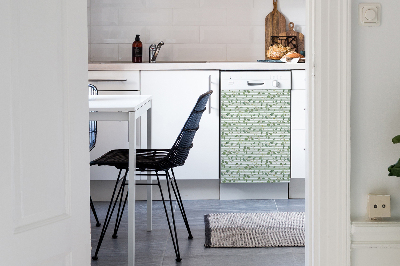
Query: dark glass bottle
x,y
137,50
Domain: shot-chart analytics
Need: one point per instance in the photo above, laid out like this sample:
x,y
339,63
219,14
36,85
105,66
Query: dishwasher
x,y
255,126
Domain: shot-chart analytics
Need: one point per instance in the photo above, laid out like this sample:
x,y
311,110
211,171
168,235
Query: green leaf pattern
x,y
255,136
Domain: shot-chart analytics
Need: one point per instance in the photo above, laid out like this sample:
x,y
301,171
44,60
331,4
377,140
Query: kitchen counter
x,y
195,66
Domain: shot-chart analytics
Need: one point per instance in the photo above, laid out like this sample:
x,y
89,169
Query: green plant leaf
x,y
396,139
394,170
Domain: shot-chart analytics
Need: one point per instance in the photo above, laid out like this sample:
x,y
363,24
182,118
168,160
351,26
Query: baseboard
x,y
375,242
254,191
297,188
101,190
199,189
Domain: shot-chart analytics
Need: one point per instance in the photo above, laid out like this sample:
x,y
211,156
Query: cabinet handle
x,y
99,80
209,99
254,83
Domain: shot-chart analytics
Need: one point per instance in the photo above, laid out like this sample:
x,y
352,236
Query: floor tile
x,y
155,248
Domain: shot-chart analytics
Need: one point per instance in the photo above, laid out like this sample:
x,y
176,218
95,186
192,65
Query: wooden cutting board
x,y
292,32
275,23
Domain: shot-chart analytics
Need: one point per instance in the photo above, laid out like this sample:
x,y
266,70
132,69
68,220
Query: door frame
x,y
328,221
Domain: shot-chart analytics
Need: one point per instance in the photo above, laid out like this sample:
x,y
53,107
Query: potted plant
x,y
394,170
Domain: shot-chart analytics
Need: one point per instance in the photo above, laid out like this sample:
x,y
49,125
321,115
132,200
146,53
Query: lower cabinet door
x,y
174,96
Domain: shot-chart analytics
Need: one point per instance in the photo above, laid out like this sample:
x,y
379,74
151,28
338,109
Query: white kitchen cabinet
x,y
298,109
112,134
298,125
298,162
174,96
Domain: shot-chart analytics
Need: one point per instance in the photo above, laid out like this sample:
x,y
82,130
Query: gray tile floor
x,y
155,248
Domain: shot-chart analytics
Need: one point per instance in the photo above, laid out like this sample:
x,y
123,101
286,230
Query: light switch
x,y
369,14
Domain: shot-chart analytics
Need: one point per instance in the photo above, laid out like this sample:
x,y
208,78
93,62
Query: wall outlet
x,y
378,206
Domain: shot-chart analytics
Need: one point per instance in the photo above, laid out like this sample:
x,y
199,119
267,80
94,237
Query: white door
x,y
44,172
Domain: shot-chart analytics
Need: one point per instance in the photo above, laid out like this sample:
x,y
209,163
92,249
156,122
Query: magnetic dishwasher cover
x,y
255,126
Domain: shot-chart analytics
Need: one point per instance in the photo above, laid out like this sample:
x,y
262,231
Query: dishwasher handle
x,y
249,83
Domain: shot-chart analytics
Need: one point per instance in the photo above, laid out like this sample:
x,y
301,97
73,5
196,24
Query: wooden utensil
x,y
299,36
275,23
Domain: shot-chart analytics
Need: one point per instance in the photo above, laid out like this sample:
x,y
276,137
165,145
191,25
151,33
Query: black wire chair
x,y
92,143
149,161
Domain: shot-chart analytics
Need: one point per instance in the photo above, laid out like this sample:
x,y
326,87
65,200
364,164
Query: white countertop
x,y
196,66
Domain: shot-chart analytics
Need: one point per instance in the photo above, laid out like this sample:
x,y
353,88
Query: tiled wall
x,y
193,30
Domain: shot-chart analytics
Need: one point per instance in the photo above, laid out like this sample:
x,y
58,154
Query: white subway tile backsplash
x,y
105,16
119,3
224,34
172,3
104,52
246,53
239,4
294,10
226,3
199,52
266,5
214,3
258,35
199,16
88,16
246,17
145,17
89,52
125,52
115,34
173,34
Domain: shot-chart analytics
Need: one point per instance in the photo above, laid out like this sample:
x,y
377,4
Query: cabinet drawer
x,y
115,80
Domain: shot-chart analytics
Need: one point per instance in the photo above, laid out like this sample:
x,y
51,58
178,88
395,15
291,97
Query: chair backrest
x,y
92,124
180,150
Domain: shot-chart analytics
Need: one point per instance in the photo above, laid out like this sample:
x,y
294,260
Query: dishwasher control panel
x,y
256,80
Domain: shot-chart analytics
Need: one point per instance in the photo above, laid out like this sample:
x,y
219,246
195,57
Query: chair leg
x,y
174,239
110,211
94,213
120,211
180,203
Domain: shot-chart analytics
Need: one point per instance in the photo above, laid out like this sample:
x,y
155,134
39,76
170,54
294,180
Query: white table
x,y
127,108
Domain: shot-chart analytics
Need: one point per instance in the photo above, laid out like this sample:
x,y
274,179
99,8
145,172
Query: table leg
x,y
132,190
149,178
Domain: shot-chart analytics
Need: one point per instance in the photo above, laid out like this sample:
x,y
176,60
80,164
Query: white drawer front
x,y
115,80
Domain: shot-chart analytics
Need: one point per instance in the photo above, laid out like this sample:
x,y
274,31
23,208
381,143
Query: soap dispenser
x,y
137,50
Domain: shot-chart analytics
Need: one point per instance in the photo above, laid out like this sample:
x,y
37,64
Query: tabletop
x,y
121,103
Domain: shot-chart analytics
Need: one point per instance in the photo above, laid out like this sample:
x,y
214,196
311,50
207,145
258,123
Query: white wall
x,y
375,108
193,30
375,120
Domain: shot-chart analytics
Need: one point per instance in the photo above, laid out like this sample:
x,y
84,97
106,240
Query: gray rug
x,y
271,229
